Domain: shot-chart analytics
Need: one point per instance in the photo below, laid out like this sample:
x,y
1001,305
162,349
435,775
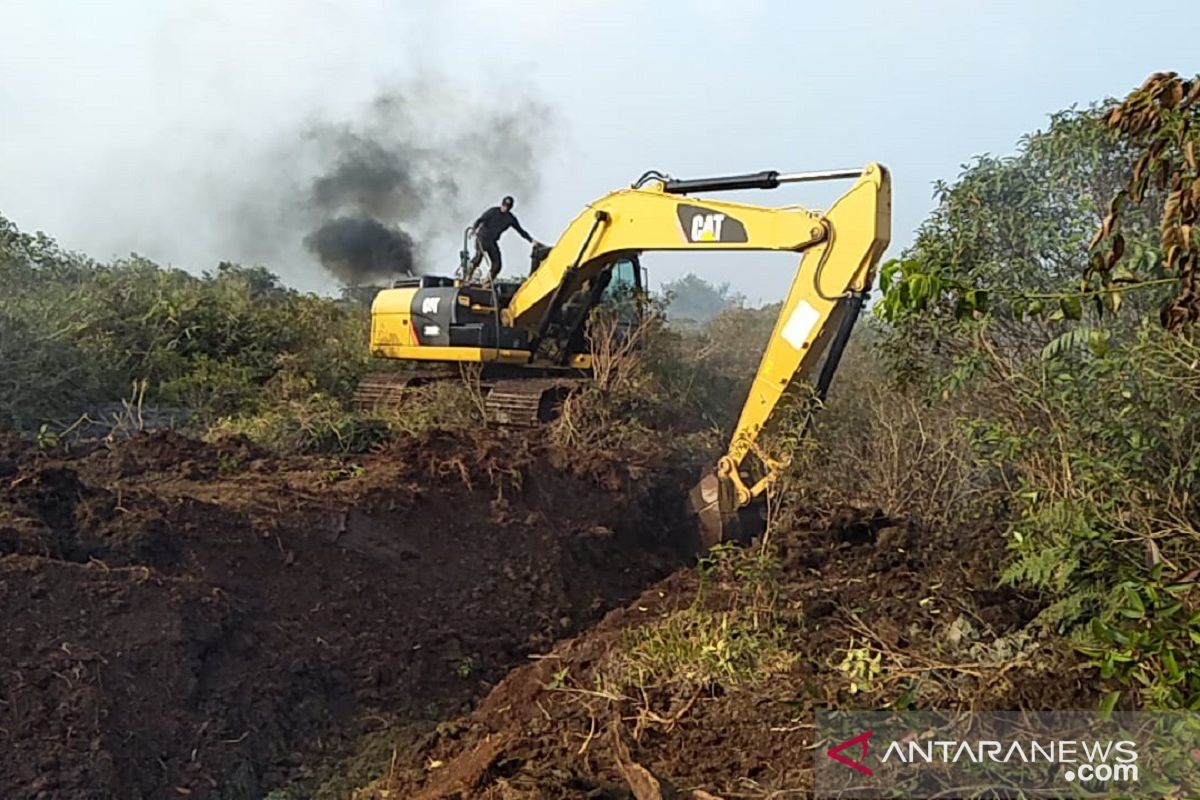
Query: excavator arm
x,y
841,248
816,319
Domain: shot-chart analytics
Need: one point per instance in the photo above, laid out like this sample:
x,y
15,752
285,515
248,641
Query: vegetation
x,y
734,632
232,352
75,336
662,388
1078,412
1161,122
1030,371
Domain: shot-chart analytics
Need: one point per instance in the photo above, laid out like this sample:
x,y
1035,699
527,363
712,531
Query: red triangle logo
x,y
863,740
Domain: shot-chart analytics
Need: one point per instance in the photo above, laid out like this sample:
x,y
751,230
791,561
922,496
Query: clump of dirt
x,y
203,620
921,601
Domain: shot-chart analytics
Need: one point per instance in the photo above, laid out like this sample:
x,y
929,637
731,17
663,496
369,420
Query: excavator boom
x,y
841,248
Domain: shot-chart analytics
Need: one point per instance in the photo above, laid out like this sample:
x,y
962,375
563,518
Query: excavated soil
x,y
922,600
191,620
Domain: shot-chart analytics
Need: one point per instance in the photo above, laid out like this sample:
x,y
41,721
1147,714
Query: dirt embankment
x,y
921,601
189,620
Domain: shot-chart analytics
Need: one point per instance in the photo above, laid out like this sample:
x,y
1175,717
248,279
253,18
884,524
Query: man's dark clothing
x,y
488,227
494,222
492,249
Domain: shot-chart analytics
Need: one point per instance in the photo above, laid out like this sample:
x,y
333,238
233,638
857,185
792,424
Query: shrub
x,y
1105,511
75,334
732,634
315,424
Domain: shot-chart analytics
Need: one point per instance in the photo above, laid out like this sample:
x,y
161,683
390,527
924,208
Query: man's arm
x,y
478,222
524,234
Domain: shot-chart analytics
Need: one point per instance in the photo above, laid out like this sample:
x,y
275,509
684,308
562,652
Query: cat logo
x,y
429,305
705,225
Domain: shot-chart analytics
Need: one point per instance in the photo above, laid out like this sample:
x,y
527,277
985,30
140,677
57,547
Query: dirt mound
x,y
921,601
186,619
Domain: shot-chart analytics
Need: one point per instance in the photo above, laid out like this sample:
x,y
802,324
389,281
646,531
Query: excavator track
x,y
520,402
528,402
388,389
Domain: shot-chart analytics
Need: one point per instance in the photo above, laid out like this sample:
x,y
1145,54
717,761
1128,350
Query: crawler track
x,y
519,402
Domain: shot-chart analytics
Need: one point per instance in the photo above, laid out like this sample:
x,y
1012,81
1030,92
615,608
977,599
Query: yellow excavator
x,y
530,338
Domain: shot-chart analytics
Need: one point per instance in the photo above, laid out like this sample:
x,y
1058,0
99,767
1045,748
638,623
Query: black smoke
x,y
367,183
357,250
413,168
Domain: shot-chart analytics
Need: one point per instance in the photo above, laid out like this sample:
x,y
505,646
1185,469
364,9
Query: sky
x,y
164,128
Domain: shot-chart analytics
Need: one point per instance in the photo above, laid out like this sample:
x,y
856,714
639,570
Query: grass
x,y
696,649
732,634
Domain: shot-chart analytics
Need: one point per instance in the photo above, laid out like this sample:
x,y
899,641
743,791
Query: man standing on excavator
x,y
487,229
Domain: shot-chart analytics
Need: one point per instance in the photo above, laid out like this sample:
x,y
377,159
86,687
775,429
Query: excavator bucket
x,y
714,503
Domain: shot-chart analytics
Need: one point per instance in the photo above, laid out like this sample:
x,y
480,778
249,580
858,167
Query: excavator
x,y
529,339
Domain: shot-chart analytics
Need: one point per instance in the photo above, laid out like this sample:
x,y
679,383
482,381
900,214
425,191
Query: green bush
x,y
43,375
1021,380
317,423
1085,460
733,633
75,334
1105,516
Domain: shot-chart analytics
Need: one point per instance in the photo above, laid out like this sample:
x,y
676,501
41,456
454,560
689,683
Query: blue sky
x,y
126,125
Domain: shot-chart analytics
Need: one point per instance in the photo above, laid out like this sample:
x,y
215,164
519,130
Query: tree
x,y
694,299
1009,242
1161,122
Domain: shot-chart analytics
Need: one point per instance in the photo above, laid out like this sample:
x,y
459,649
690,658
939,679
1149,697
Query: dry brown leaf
x,y
1173,95
1151,81
1171,207
1106,226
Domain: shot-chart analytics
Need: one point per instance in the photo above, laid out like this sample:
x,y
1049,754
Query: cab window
x,y
624,281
